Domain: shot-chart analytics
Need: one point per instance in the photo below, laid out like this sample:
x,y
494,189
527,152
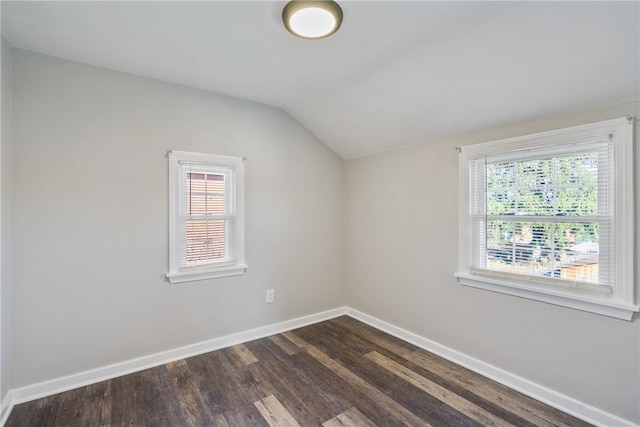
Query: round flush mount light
x,y
311,19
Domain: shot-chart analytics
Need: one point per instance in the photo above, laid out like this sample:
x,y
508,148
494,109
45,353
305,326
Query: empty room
x,y
319,213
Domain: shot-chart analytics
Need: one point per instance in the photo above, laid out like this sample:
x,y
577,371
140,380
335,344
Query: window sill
x,y
193,275
603,307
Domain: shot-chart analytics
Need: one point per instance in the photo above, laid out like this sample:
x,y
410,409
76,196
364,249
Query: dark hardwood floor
x,y
339,372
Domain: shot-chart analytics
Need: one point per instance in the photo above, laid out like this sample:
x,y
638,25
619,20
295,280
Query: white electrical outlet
x,y
270,295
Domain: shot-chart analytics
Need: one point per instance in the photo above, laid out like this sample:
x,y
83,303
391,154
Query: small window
x,y
206,216
550,217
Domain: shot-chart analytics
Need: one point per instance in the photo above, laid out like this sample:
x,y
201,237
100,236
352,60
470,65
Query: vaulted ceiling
x,y
395,74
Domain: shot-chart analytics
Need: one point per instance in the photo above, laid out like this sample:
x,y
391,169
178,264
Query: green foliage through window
x,y
533,212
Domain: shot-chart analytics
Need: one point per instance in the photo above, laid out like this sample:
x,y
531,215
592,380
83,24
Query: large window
x,y
550,217
206,216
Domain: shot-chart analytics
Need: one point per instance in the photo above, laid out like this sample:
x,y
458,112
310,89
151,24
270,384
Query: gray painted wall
x,y
5,224
401,254
90,218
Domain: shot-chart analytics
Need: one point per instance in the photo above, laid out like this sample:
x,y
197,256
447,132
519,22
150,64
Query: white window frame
x,y
228,165
620,303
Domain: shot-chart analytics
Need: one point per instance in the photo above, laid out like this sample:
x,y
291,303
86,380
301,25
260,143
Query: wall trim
x,y
6,407
550,397
58,385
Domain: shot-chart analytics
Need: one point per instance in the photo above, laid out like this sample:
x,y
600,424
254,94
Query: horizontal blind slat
x,y
206,232
545,216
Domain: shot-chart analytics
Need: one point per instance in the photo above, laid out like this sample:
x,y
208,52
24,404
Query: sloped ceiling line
x,y
396,73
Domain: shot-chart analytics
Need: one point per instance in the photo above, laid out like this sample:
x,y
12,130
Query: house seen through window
x,y
550,216
204,236
206,216
543,217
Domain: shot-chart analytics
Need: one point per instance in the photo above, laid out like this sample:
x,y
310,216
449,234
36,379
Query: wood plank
x,y
424,406
194,411
343,393
403,415
274,413
326,383
528,409
324,335
280,375
144,398
247,416
222,385
375,336
246,357
320,383
286,345
33,413
350,418
477,413
398,349
221,421
94,408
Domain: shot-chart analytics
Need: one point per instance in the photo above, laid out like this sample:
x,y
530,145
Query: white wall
x,y
90,220
5,224
401,254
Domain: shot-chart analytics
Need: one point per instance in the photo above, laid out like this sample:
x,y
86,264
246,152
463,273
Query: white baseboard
x,y
550,397
58,385
6,407
557,400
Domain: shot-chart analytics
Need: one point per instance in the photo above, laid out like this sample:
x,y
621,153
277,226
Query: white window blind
x,y
546,216
550,217
206,216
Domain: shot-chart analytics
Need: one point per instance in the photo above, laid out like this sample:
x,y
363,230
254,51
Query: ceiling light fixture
x,y
311,19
